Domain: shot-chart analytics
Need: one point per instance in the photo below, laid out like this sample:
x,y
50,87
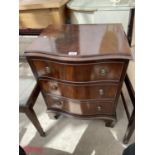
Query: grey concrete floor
x,y
69,136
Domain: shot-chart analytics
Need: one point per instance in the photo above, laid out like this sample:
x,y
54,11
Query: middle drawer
x,y
79,91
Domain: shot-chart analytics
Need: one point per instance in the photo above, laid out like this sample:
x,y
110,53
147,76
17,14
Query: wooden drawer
x,y
104,71
80,91
78,107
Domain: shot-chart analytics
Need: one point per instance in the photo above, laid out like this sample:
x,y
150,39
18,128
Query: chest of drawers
x,y
80,69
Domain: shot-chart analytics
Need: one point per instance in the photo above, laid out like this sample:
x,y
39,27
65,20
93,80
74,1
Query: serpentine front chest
x,y
80,68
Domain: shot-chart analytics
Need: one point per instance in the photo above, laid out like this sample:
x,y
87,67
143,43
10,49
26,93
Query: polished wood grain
x,y
81,92
75,41
81,68
84,72
79,107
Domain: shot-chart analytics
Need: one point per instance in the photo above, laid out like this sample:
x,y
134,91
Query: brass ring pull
x,y
99,108
54,87
59,103
47,69
103,71
101,92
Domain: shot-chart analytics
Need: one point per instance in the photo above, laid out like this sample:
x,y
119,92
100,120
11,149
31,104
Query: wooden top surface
x,y
94,41
40,4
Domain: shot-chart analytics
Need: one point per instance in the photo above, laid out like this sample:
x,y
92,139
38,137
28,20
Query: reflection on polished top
x,y
100,40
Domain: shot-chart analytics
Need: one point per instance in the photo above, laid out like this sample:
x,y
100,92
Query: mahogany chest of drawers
x,y
80,69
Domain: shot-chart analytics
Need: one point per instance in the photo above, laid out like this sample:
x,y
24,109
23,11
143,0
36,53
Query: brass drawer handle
x,y
103,71
101,92
47,69
54,87
99,108
59,103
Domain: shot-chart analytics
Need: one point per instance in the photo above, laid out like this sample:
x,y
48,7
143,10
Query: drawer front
x,y
79,72
79,108
80,91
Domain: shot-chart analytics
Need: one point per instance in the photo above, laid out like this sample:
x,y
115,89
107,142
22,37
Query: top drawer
x,y
104,71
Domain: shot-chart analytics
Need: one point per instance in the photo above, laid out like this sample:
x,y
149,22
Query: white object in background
x,y
113,17
115,1
100,11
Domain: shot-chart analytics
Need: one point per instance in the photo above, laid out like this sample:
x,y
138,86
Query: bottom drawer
x,y
80,107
